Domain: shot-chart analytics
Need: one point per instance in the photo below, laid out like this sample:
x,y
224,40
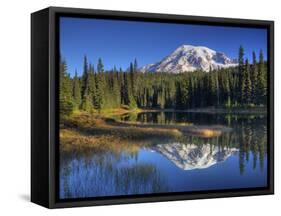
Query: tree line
x,y
97,89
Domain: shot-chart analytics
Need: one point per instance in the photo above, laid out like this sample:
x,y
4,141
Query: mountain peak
x,y
187,47
187,58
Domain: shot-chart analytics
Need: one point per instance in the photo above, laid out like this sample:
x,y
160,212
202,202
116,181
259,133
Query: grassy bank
x,y
99,132
102,132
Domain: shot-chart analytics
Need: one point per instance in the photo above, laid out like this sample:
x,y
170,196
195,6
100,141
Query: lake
x,y
231,160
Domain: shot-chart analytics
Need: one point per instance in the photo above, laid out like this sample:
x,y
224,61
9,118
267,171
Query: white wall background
x,y
15,106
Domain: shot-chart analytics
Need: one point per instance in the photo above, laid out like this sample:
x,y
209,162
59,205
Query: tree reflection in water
x,y
104,175
118,171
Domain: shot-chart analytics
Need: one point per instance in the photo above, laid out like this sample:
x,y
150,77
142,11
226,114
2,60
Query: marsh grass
x,y
89,178
98,132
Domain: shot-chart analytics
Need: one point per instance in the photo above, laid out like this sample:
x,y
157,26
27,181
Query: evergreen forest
x,y
244,86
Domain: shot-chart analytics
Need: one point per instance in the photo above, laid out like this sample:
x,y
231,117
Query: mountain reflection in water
x,y
191,156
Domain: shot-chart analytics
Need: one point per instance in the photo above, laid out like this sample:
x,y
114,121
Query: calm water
x,y
235,159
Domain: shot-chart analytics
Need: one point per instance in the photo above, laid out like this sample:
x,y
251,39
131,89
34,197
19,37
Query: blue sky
x,y
120,42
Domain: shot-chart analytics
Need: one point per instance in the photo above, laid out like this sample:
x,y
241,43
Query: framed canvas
x,y
139,107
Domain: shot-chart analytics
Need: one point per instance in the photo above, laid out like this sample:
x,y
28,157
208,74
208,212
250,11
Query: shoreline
x,y
206,110
212,110
100,128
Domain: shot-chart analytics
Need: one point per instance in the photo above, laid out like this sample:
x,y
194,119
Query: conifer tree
x,y
131,88
116,89
91,83
100,67
254,78
87,103
184,93
100,86
84,76
135,68
65,93
178,97
239,90
76,91
262,85
247,86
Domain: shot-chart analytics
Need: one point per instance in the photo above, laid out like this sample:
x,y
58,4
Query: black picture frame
x,y
44,105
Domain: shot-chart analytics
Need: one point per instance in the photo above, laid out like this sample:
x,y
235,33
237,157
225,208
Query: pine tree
x,y
100,67
247,85
135,68
89,96
262,81
87,103
226,87
65,93
178,97
84,76
213,85
91,82
241,65
116,89
100,86
132,81
132,102
254,78
131,88
184,93
76,91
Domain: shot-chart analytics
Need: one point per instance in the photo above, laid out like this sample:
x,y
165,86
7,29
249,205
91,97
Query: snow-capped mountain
x,y
188,58
191,156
